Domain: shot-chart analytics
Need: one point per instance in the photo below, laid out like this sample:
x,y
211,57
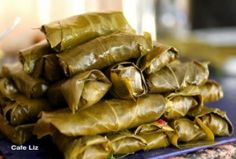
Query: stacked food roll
x,y
100,90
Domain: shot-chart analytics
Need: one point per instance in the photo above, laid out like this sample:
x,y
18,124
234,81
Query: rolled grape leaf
x,y
155,134
179,104
17,135
216,119
29,57
79,29
29,86
188,134
103,51
24,110
105,116
146,137
52,71
80,91
177,76
196,73
7,88
127,81
38,69
86,147
125,142
211,91
157,58
162,81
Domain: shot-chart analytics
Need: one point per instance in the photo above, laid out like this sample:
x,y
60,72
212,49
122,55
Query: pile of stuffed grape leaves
x,y
100,90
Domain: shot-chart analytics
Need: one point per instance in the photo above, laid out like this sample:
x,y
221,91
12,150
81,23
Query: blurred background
x,y
202,29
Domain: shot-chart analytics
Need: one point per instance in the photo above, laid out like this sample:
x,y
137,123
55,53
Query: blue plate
x,y
48,151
